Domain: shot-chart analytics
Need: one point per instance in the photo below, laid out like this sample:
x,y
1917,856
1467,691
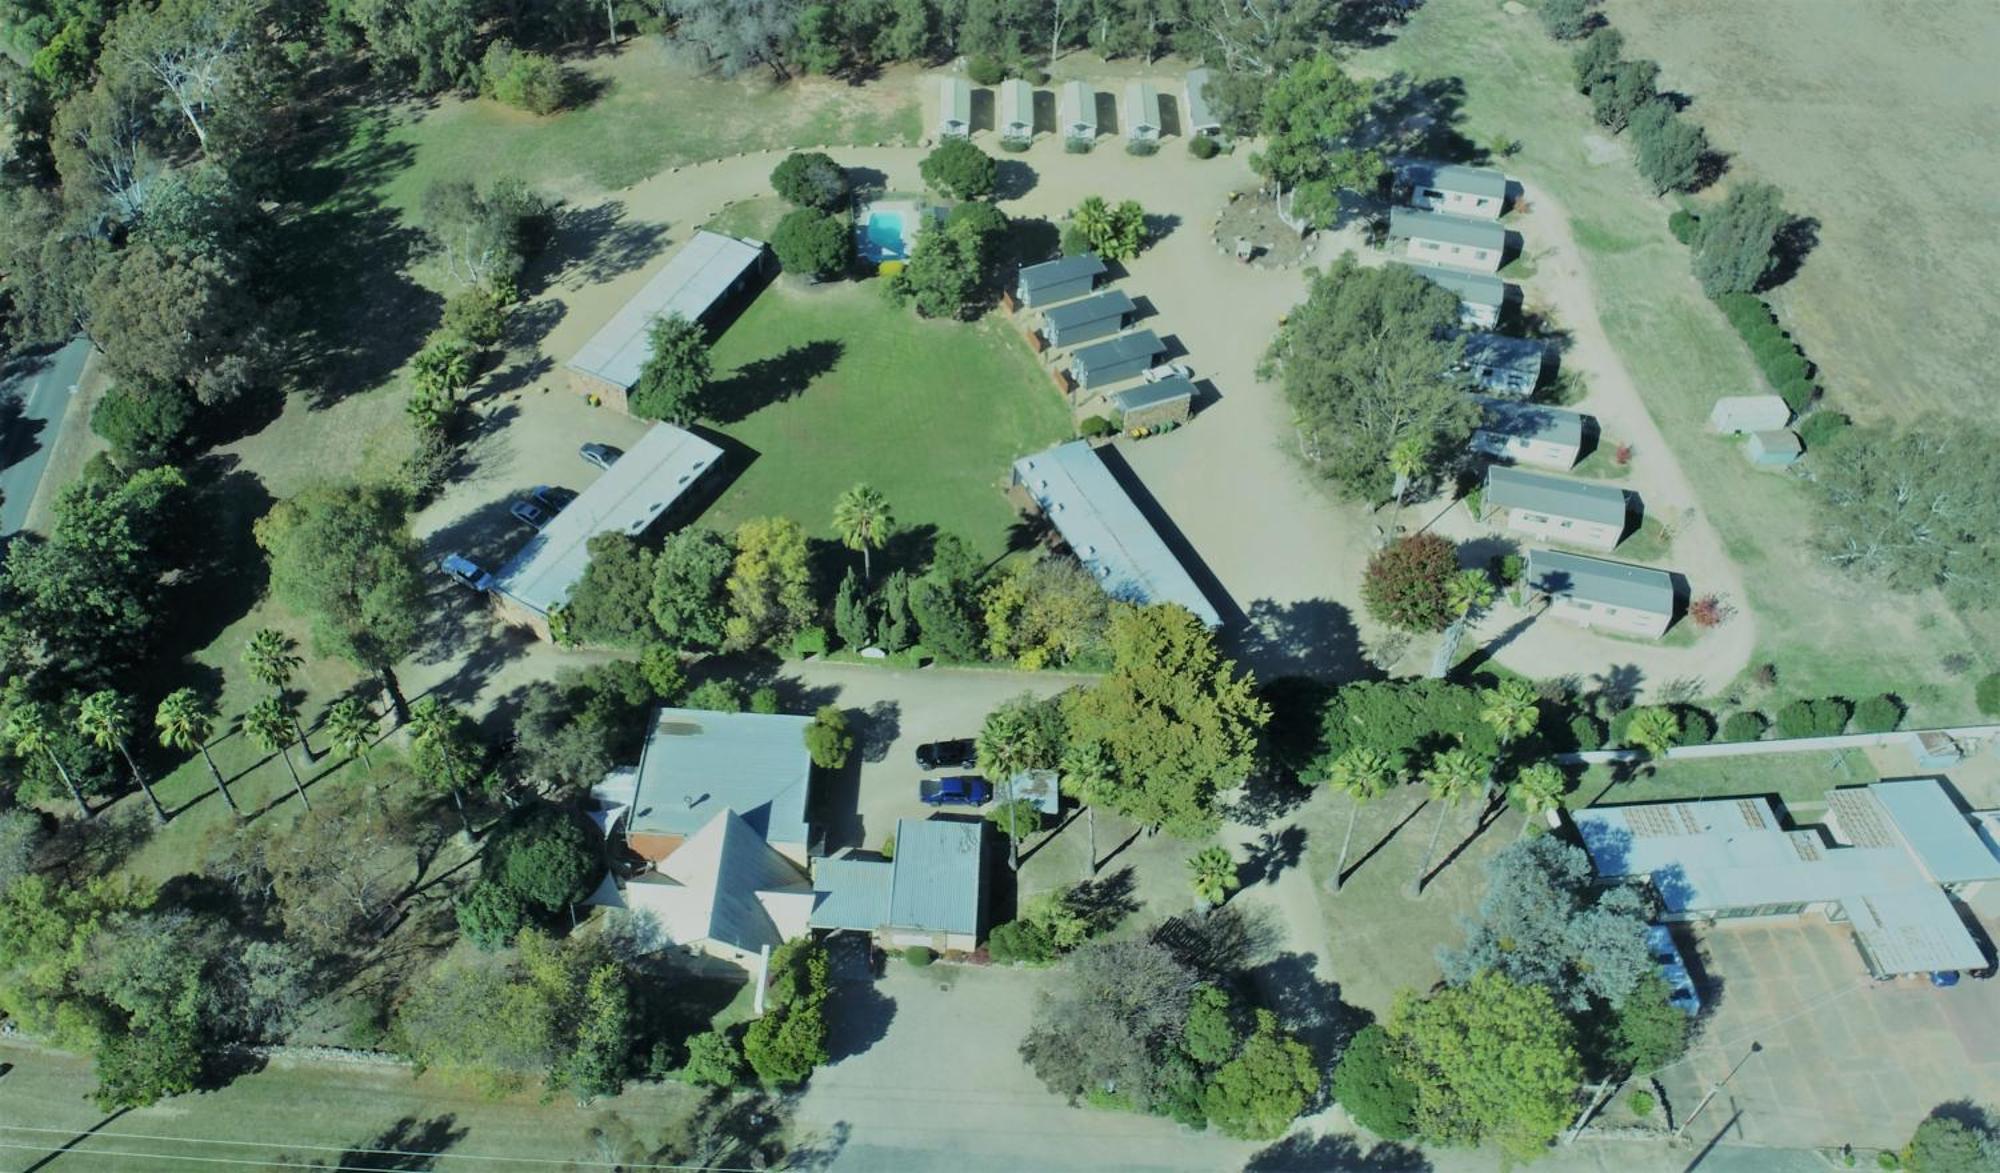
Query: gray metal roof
x,y
852,893
1937,831
691,282
955,101
1017,106
938,875
1477,181
1147,395
626,499
1517,488
1472,288
1106,531
697,762
1199,115
1599,580
1060,271
1109,304
1531,421
1112,351
1142,106
1500,352
1459,230
1079,108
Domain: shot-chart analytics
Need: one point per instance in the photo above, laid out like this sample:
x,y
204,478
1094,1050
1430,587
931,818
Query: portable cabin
x,y
1058,280
1142,112
954,108
1076,322
1201,119
1017,110
1114,359
1077,104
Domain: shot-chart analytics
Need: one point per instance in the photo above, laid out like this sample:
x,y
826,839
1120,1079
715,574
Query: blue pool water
x,y
882,237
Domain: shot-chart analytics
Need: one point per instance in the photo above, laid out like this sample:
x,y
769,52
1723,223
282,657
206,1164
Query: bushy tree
x,y
1737,247
769,583
690,600
810,179
611,604
1371,1086
1912,509
530,81
1878,714
1594,60
1309,122
1114,1028
944,274
1045,612
1258,1094
829,741
546,857
713,1060
1647,1030
1667,148
489,914
813,244
959,170
145,429
171,321
852,620
1947,1144
486,238
1623,89
676,373
1408,582
1114,232
790,1040
1566,20
945,623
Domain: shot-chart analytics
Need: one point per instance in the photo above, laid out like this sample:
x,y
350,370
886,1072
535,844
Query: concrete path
x,y
45,386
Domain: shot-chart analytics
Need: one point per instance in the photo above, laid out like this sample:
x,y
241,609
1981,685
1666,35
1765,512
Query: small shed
x,y
954,108
1596,592
1017,110
1142,112
1774,449
1503,365
1058,280
1201,119
1935,749
1041,787
1481,296
1076,322
1114,359
1528,433
1734,415
1149,405
1462,191
1439,239
1077,105
1558,509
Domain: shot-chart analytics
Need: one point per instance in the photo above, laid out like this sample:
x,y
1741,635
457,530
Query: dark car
x,y
551,498
601,455
529,514
948,755
958,790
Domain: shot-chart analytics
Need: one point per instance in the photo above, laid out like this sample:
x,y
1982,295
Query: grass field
x,y
842,387
1826,633
1802,780
1863,114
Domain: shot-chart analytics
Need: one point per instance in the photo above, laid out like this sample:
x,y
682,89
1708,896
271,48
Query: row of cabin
x,y
1453,216
1092,324
1076,109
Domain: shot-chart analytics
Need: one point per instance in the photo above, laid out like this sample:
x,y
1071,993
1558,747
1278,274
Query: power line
x,y
347,1150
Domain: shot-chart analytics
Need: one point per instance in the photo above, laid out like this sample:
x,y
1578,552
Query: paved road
x,y
26,439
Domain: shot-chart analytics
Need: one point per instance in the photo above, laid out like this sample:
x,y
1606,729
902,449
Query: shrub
x,y
1796,719
1408,582
813,244
765,700
1507,569
1586,732
1368,1084
1684,226
143,429
1798,394
1641,1103
1707,612
1697,725
475,315
1566,20
959,170
1096,425
534,82
1202,146
1036,76
810,642
888,848
1073,241
986,70
828,739
810,179
1819,428
1747,725
1765,675
1143,147
1830,715
1078,146
1986,694
919,955
713,1060
1020,942
715,696
1878,714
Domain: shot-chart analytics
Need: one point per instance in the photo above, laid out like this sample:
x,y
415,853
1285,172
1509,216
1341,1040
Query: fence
x,y
1968,737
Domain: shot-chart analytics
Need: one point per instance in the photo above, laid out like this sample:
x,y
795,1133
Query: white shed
x,y
1200,116
1735,414
954,108
1142,112
1078,104
1017,109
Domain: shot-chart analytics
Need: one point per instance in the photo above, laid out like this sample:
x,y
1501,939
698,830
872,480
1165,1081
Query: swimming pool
x,y
881,238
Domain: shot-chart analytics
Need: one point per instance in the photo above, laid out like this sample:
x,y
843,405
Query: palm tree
x,y
31,728
1511,712
351,726
1362,773
1452,777
1213,874
862,522
1087,773
1466,595
184,721
273,664
269,724
106,718
1408,460
1093,221
1654,730
1537,790
444,751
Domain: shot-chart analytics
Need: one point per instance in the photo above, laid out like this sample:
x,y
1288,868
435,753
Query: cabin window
x,y
1431,193
1567,524
1534,519
1428,244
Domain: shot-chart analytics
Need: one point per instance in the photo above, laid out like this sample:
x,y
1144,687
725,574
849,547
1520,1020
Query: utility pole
x,y
1717,1087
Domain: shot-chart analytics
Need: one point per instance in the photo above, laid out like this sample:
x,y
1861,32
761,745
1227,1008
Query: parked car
x,y
465,572
960,754
957,790
551,497
1944,979
601,455
529,514
1168,370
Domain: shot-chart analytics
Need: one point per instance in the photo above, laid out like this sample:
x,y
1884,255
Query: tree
x,y
1174,719
959,170
105,717
350,728
944,274
529,81
1409,583
1367,362
1490,1060
1737,245
810,179
193,50
611,605
1597,57
1369,1083
786,1044
676,373
1668,149
342,555
713,1060
545,856
851,618
1878,714
445,749
485,238
770,582
428,46
1910,508
944,621
1408,460
1114,1027
1258,1094
1114,233
1211,1037
1467,593
1452,777
1537,790
1946,1144
169,320
31,729
743,35
1046,612
1311,117
144,430
274,662
184,721
1362,774
1648,1030
690,592
1212,872
813,244
1621,91
896,630
1566,20
269,725
1024,733
1511,710
1653,730
828,739
862,521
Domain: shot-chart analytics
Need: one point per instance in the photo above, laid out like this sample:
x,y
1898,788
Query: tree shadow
x,y
1271,854
589,246
1310,1007
858,1017
18,433
1795,241
1387,838
1710,169
1303,1153
408,1144
1032,240
876,728
1420,117
1315,637
1371,24
1225,942
1106,900
762,382
1013,179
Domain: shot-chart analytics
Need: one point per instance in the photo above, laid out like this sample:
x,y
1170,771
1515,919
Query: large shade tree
x,y
1311,115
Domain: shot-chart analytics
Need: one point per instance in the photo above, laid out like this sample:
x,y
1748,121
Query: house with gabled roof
x,y
1558,509
1502,365
931,893
1600,593
1450,187
1481,296
1528,433
1058,280
1434,238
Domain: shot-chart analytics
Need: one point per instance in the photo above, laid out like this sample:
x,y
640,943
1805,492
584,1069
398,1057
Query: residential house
x,y
1200,114
1598,593
1057,280
1557,509
1481,296
1733,415
932,893
1114,359
1017,110
1461,191
1528,433
1503,365
1142,112
1086,320
1149,405
954,108
711,275
1778,448
1077,105
1434,238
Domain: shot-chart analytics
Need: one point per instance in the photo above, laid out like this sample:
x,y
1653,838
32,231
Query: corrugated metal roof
x,y
1112,351
1532,421
1477,181
1079,109
692,281
1499,352
955,101
1515,488
1142,107
1069,315
1599,580
1106,531
1199,115
1147,395
1473,288
1912,930
1459,230
1059,271
939,870
697,762
1940,834
852,893
1017,106
627,499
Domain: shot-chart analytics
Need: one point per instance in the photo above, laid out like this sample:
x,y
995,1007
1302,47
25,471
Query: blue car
x,y
1667,955
958,790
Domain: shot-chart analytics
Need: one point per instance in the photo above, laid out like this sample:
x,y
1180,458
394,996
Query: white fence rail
x,y
1968,737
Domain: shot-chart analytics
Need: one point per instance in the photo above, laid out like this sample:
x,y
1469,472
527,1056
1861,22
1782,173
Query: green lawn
x,y
1802,779
1825,632
844,387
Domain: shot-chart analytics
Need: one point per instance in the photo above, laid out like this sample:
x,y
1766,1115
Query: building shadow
x,y
1315,637
592,245
1170,534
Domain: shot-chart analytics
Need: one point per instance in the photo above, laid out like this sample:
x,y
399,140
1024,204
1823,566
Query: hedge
x,y
1745,726
1878,714
1785,367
